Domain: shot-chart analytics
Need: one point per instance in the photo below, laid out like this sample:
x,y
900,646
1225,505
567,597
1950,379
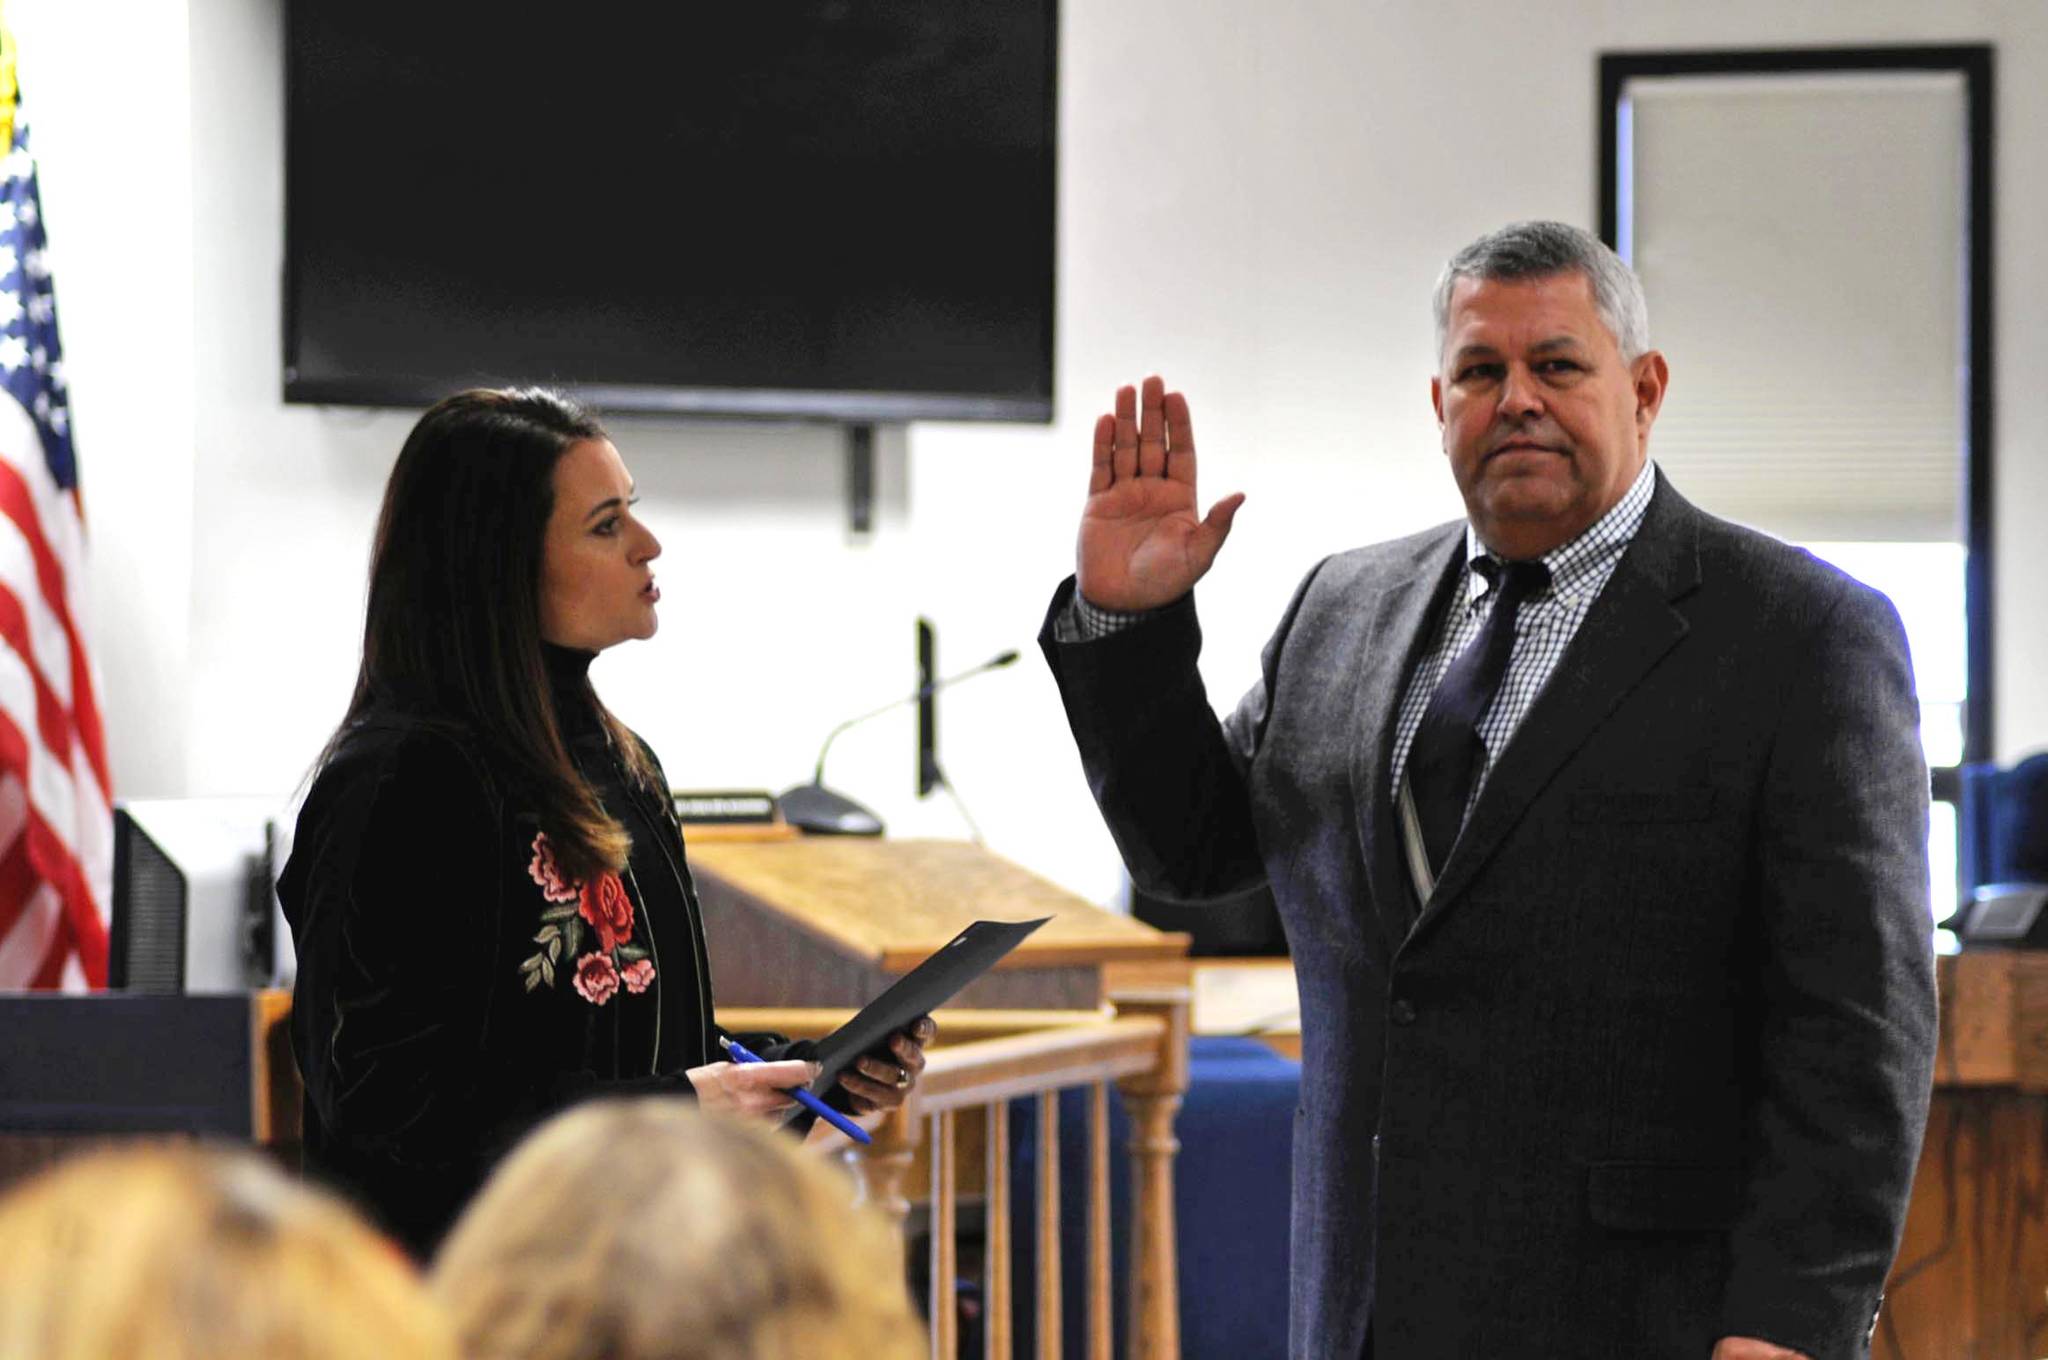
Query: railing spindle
x,y
1152,1099
1142,1046
945,1306
997,1331
1100,1325
1050,1324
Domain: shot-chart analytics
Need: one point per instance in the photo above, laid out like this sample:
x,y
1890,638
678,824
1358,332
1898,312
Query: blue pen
x,y
740,1053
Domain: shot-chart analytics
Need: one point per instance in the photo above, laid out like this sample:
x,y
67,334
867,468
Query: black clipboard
x,y
920,991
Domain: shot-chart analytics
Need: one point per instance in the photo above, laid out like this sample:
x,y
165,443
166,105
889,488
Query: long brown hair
x,y
451,637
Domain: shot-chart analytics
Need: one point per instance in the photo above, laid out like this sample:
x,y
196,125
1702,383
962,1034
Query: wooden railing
x,y
981,1062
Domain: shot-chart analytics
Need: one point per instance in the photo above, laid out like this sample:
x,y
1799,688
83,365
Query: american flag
x,y
56,818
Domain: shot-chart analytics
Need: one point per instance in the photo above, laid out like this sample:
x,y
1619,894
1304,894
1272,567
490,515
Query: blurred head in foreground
x,y
178,1252
648,1230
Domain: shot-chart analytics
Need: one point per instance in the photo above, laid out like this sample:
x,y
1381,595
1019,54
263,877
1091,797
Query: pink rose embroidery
x,y
599,911
547,873
596,978
609,911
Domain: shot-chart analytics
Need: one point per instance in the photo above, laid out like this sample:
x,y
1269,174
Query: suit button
x,y
1403,1011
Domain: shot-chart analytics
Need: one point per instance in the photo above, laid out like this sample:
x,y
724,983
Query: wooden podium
x,y
832,920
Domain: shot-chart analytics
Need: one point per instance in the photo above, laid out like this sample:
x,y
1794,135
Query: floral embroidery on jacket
x,y
544,871
599,908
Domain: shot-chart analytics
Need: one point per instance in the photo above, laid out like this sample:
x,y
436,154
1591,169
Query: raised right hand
x,y
751,1088
1141,544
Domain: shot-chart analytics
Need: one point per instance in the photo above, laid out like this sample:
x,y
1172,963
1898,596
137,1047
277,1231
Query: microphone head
x,y
1000,659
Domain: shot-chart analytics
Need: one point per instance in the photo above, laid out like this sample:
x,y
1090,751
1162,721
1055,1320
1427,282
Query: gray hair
x,y
1534,250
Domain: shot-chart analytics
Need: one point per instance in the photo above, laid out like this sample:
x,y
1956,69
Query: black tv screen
x,y
830,208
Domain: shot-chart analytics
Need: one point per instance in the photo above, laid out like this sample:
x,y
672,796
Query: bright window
x,y
1925,584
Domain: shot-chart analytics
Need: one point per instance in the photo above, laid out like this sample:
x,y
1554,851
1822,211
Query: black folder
x,y
920,991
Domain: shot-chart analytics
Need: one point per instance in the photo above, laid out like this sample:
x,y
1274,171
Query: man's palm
x,y
1142,544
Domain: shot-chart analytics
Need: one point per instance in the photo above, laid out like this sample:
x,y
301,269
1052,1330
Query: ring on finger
x,y
903,1079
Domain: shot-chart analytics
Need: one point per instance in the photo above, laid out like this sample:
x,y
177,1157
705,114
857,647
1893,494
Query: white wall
x,y
1253,200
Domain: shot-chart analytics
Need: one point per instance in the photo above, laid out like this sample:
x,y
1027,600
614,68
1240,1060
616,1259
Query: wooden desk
x,y
1970,1276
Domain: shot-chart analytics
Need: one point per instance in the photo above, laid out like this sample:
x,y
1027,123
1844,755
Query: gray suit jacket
x,y
1653,1066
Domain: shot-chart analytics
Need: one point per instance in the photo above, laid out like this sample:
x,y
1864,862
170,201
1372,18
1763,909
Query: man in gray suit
x,y
1598,826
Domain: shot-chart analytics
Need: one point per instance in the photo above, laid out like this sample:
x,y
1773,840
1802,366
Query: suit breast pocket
x,y
1660,806
1672,852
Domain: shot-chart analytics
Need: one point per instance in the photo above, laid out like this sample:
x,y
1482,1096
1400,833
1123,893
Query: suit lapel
x,y
1627,631
1395,639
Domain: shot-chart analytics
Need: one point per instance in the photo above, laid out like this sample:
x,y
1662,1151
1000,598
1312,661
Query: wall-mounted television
x,y
839,209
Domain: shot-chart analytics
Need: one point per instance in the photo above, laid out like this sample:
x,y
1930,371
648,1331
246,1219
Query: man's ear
x,y
1652,377
1436,398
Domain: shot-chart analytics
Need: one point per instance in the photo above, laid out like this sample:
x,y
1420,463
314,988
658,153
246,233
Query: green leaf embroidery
x,y
561,913
547,933
572,931
554,949
547,970
629,953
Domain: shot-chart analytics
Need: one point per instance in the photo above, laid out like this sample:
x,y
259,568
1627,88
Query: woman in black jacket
x,y
487,890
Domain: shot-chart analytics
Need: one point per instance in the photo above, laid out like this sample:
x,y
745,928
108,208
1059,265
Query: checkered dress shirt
x,y
1543,628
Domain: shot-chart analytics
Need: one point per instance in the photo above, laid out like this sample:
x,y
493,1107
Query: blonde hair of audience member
x,y
650,1230
178,1252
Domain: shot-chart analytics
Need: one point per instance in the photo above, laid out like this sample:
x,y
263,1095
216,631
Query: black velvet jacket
x,y
453,989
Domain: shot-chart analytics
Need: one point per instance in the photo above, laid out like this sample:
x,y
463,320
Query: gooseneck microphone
x,y
820,810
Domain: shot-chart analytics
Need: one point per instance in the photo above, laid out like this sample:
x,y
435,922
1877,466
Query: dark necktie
x,y
1447,753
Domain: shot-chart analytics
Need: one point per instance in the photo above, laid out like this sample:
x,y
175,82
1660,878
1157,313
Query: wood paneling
x,y
1970,1276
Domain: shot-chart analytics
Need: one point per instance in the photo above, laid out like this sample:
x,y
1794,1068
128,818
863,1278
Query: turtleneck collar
x,y
568,671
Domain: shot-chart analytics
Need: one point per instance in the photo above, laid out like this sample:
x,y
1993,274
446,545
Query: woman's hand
x,y
878,1084
753,1089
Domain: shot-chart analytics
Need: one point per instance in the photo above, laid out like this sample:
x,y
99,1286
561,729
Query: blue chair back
x,y
2002,823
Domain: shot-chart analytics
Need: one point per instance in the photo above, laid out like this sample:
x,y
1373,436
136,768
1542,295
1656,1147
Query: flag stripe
x,y
53,720
85,698
51,793
92,837
52,970
21,949
51,858
56,816
59,515
63,514
17,882
17,503
52,647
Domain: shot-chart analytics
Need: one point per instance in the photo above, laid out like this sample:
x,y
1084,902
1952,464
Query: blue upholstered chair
x,y
2002,823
